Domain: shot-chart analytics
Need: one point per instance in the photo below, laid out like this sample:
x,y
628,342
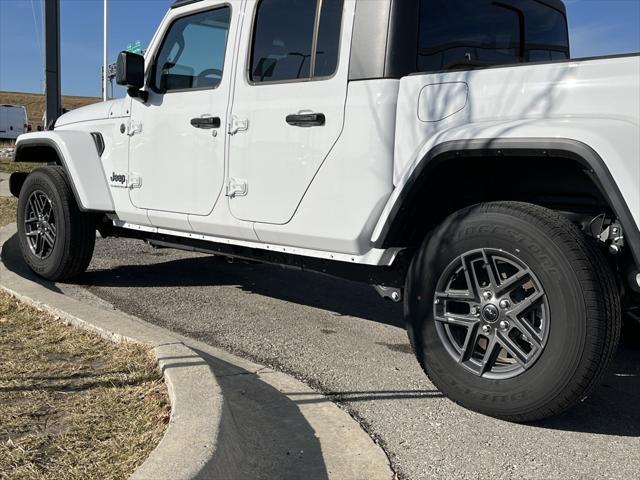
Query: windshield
x,y
458,33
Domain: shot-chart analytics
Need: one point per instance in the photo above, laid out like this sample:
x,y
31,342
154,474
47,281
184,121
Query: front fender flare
x,y
78,155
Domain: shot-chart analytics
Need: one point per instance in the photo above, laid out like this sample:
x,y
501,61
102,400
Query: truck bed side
x,y
595,102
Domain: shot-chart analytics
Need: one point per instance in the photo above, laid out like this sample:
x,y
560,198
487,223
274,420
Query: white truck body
x,y
384,127
420,146
13,121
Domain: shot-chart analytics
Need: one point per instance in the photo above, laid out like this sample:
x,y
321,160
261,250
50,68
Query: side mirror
x,y
130,70
130,73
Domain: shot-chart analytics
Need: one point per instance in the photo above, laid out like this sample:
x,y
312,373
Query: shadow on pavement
x,y
262,434
304,288
12,259
612,409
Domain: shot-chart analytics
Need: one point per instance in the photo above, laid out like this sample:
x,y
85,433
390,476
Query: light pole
x,y
52,61
105,54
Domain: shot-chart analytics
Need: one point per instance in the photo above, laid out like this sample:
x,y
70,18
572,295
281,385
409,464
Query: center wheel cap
x,y
490,313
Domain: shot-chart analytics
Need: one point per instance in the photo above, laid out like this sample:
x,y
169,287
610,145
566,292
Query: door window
x,y
284,35
328,38
193,51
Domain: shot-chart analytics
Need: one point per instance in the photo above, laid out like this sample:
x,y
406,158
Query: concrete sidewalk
x,y
231,418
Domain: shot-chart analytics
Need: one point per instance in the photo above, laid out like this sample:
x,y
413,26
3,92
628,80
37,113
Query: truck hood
x,y
97,111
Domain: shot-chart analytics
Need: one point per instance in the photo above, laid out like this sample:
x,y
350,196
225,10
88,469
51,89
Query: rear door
x,y
12,121
288,107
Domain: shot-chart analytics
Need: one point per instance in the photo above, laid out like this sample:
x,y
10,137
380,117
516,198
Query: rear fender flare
x,y
560,148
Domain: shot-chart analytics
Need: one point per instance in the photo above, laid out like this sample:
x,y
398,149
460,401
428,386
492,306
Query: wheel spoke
x,y
526,304
457,319
456,295
469,343
472,279
513,281
490,356
41,201
39,244
46,210
510,346
491,271
525,328
49,239
53,228
34,206
35,233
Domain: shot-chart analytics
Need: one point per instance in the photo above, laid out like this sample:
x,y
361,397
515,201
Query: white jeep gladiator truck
x,y
448,152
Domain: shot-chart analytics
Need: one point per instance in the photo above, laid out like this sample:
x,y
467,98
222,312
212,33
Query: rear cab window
x,y
284,36
455,34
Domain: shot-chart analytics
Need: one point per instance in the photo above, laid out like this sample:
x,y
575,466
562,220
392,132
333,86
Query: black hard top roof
x,y
182,3
557,4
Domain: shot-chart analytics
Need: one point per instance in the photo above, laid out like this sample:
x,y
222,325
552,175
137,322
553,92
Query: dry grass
x,y
73,405
8,207
7,166
34,103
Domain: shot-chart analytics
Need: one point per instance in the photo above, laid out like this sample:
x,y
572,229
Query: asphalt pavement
x,y
342,339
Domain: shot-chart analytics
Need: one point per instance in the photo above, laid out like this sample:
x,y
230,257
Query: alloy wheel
x,y
40,225
491,313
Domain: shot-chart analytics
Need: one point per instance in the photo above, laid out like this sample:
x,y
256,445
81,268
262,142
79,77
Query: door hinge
x,y
133,128
135,180
237,187
238,124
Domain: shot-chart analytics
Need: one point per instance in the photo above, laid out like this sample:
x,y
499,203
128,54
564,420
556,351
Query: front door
x,y
177,146
288,108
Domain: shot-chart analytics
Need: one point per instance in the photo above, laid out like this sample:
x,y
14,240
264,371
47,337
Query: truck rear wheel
x,y
512,311
56,238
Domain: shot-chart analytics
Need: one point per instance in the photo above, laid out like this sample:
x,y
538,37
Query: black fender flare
x,y
565,148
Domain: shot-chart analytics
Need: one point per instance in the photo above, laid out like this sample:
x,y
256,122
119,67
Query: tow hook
x,y
608,232
616,238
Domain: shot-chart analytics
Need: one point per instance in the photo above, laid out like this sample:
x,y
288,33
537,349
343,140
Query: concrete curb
x,y
195,395
4,185
230,418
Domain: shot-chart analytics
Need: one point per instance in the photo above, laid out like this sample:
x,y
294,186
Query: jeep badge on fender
x,y
118,180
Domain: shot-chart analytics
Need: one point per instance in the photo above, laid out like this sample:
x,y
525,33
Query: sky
x,y
597,27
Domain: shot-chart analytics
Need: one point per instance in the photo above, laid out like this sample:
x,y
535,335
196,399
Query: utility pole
x,y
105,53
52,61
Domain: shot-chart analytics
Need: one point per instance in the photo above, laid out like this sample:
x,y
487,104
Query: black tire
x,y
579,296
75,231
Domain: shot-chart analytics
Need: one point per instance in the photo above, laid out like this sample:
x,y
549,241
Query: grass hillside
x,y
35,104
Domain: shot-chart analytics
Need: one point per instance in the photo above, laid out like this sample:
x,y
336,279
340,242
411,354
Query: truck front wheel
x,y
512,311
56,238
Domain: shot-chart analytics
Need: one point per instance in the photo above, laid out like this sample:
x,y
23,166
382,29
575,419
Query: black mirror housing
x,y
130,70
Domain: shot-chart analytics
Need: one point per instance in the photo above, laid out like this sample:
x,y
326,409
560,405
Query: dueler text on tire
x,y
512,311
56,238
